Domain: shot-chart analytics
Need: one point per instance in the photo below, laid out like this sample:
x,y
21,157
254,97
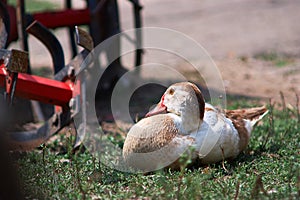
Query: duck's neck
x,y
190,123
190,119
193,113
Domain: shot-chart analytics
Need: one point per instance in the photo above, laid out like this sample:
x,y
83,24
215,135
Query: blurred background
x,y
255,43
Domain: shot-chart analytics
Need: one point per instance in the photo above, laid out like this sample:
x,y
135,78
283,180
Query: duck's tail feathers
x,y
254,121
254,115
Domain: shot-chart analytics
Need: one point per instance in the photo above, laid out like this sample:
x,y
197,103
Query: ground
x,y
255,44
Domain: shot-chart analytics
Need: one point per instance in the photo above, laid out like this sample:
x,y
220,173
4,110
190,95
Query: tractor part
x,y
52,44
102,17
61,92
138,34
71,29
50,41
21,25
14,67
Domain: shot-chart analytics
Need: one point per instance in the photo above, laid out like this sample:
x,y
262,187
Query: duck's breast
x,y
154,142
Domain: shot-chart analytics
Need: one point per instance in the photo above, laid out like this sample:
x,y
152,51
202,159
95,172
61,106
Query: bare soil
x,y
255,44
259,78
236,33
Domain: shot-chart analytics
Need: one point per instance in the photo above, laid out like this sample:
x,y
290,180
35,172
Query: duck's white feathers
x,y
159,140
217,138
233,129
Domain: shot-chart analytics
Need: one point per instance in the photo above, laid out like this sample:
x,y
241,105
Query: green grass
x,y
267,169
36,5
276,59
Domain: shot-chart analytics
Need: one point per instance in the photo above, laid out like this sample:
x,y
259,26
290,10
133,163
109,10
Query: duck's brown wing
x,y
242,118
248,113
153,143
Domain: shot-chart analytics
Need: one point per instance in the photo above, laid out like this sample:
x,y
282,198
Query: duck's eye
x,y
171,91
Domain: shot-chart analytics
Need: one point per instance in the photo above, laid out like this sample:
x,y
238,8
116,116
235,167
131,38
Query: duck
x,y
182,123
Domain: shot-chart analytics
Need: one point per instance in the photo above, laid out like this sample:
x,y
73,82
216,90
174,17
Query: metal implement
x,y
60,92
50,41
84,39
27,140
138,24
39,88
64,92
18,61
14,64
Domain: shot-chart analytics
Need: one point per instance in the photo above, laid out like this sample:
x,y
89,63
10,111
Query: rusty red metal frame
x,y
52,19
39,88
65,18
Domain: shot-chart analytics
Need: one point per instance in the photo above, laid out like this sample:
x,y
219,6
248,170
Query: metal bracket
x,y
14,60
74,105
18,61
82,112
84,39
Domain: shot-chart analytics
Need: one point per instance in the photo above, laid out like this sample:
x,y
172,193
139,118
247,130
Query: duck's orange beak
x,y
160,108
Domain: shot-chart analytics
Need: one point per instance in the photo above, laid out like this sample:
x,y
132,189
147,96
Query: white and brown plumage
x,y
181,121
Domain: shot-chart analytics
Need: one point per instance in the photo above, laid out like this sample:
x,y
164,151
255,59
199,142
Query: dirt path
x,y
261,79
240,35
255,44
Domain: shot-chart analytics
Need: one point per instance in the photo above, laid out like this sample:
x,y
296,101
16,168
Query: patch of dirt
x,y
258,78
276,80
233,32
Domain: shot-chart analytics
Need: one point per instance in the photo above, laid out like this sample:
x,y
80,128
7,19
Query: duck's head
x,y
185,100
